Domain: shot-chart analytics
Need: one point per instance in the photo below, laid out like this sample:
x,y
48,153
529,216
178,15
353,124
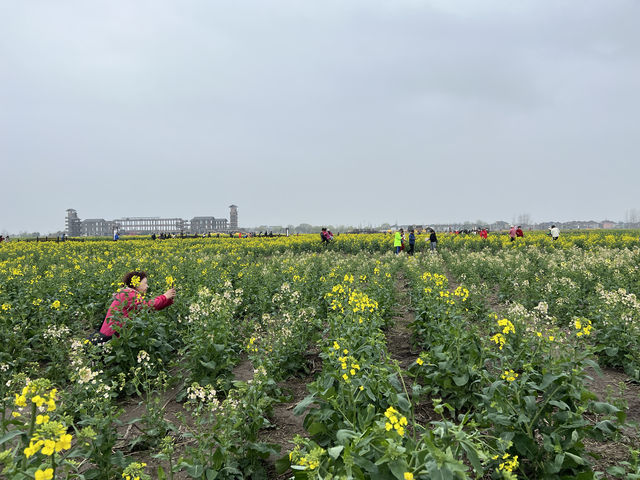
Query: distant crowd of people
x,y
431,238
399,240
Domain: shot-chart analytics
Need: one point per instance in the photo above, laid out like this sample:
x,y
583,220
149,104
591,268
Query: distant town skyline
x,y
202,224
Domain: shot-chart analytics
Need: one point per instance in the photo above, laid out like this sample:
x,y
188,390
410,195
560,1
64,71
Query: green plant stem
x,y
535,417
30,433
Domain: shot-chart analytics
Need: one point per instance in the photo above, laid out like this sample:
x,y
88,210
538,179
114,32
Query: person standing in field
x,y
433,239
412,241
554,232
512,233
397,241
130,298
519,232
483,233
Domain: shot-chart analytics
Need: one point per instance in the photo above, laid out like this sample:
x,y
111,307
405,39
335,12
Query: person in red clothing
x,y
519,232
483,233
131,298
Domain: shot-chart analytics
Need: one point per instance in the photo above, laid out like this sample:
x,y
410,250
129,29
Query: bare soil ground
x,y
400,347
616,387
134,408
285,425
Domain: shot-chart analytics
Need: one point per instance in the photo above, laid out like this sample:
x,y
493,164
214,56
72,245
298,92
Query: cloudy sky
x,y
335,112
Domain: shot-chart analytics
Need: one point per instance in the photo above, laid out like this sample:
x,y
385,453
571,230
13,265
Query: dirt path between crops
x,y
400,347
615,387
285,425
131,429
399,335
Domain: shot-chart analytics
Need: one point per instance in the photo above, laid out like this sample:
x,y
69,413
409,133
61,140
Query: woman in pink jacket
x,y
131,298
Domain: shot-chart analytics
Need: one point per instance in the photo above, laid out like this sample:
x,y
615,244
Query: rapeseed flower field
x,y
498,349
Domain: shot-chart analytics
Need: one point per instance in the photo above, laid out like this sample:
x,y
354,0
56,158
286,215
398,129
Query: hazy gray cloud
x,y
321,112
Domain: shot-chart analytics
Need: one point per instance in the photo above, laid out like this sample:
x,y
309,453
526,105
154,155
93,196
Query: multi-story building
x,y
149,225
233,217
72,223
96,227
75,227
199,225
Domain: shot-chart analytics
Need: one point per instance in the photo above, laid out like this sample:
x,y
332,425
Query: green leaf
x,y
160,474
578,460
461,380
616,471
315,428
611,351
334,452
302,406
560,404
547,380
402,403
604,408
11,435
398,468
195,471
211,474
472,455
283,464
343,435
211,365
218,458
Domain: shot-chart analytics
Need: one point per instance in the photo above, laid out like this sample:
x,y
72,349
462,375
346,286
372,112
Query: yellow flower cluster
x,y
349,366
583,327
461,292
408,476
134,471
310,461
507,326
444,294
435,278
251,346
360,302
395,421
500,338
509,375
509,463
46,474
49,438
55,305
30,393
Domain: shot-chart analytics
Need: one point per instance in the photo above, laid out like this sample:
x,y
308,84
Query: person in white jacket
x,y
554,232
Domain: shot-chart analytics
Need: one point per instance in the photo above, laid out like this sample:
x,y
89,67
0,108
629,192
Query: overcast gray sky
x,y
334,112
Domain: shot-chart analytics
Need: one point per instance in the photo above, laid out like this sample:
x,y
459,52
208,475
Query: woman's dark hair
x,y
129,276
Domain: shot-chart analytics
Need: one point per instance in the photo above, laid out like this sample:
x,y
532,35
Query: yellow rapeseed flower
x,y
46,474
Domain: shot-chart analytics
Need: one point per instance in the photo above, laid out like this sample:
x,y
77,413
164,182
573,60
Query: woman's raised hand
x,y
171,293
